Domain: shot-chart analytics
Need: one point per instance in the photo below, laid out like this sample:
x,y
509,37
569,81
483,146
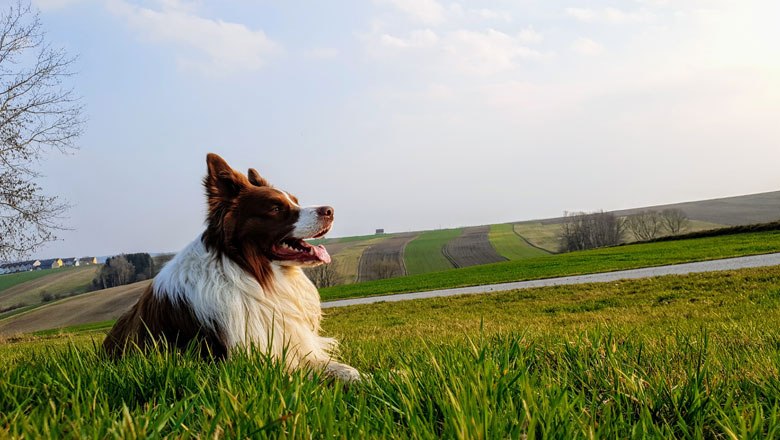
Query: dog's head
x,y
250,220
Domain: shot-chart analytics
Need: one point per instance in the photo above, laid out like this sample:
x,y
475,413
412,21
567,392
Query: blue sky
x,y
411,114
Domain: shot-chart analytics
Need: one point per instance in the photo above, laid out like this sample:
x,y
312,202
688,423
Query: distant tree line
x,y
124,269
649,224
581,230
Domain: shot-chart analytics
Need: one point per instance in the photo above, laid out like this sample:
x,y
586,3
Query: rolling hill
x,y
382,256
436,250
731,211
28,288
108,304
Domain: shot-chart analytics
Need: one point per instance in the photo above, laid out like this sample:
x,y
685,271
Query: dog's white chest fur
x,y
230,301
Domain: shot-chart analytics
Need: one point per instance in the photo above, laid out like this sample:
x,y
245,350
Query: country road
x,y
676,269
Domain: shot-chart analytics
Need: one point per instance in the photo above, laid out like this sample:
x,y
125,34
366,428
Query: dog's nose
x,y
325,211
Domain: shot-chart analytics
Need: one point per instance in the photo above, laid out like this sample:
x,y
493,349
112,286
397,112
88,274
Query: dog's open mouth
x,y
297,249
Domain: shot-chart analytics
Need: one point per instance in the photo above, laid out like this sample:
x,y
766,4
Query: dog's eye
x,y
275,209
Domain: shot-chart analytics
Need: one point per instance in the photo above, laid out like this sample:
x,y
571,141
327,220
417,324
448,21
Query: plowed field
x,y
385,259
472,248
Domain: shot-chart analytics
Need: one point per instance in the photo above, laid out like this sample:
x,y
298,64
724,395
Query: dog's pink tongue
x,y
322,254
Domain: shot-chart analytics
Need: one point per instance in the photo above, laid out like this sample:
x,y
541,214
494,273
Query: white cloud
x,y
529,36
582,14
490,14
208,45
466,51
322,53
609,15
416,39
486,52
440,92
428,12
586,46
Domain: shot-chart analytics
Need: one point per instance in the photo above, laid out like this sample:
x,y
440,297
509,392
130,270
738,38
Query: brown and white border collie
x,y
240,283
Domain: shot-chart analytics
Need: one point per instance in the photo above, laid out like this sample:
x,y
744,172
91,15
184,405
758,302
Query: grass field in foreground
x,y
509,245
424,253
671,357
574,263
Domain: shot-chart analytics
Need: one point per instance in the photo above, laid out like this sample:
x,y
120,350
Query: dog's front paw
x,y
342,372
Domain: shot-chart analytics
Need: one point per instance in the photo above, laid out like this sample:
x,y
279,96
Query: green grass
x,y
541,235
671,357
103,325
574,263
509,245
424,253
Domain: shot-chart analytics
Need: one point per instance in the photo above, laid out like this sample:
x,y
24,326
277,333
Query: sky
x,y
411,114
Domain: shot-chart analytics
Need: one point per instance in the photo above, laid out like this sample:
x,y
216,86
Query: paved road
x,y
677,269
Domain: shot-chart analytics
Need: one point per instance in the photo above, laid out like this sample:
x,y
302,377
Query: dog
x,y
240,284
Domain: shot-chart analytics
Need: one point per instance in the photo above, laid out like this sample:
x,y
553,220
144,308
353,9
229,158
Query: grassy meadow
x,y
12,279
507,243
679,356
574,263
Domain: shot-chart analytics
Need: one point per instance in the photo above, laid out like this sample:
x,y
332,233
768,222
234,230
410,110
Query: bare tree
x,y
38,114
645,225
581,230
124,271
674,220
324,275
117,271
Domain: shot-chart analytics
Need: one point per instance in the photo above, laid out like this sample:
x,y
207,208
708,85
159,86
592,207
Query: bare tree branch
x,y
674,221
38,114
645,225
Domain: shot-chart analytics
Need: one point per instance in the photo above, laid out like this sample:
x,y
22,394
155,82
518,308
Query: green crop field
x,y
423,254
671,357
574,263
510,245
12,279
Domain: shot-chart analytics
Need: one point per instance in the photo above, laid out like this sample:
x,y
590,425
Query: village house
x,y
86,261
51,263
71,262
19,266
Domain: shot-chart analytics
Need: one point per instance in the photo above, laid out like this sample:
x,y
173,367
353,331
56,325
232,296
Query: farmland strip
x,y
385,259
472,248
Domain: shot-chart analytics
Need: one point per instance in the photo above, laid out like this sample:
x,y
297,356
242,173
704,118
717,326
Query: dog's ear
x,y
255,178
222,182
